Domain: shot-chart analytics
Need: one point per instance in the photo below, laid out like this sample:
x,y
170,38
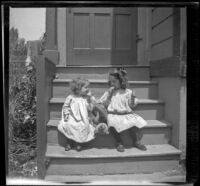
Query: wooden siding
x,y
168,67
168,44
160,14
162,33
162,50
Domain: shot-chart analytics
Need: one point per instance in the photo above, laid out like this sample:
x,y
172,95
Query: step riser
x,y
150,136
134,73
147,111
99,166
145,91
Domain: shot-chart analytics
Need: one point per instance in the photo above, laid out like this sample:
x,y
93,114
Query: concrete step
x,y
149,109
94,161
134,72
155,178
156,132
144,89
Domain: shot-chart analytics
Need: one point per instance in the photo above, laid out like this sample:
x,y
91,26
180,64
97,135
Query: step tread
x,y
150,123
121,179
56,151
104,81
140,101
103,66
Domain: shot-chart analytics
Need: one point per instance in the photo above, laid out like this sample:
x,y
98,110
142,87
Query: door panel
x,y
101,36
102,31
81,31
124,46
123,31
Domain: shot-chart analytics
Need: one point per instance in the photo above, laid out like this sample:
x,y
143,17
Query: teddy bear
x,y
99,114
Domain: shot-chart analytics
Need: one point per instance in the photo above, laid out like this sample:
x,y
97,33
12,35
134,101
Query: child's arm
x,y
105,99
66,110
91,101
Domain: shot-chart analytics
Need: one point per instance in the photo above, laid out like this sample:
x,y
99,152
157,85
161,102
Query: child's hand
x,y
66,117
133,100
89,93
110,90
133,93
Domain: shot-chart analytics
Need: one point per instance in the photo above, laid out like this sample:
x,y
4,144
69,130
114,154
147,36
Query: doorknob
x,y
138,38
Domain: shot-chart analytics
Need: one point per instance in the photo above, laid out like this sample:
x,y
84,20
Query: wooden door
x,y
101,36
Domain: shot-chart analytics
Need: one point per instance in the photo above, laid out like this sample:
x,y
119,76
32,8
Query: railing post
x,y
41,128
45,71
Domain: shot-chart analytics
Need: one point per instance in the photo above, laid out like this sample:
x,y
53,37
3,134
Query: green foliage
x,y
23,101
22,110
22,124
17,46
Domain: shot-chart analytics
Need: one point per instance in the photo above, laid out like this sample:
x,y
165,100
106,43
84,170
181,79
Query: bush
x,y
22,124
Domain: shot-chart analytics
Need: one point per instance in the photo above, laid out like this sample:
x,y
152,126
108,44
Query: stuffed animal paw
x,y
101,128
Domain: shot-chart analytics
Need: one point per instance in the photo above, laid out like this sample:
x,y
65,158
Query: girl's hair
x,y
77,84
121,75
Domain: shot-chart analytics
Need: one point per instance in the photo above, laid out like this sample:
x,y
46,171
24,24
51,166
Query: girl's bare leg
x,y
135,134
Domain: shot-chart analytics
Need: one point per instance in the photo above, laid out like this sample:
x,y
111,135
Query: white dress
x,y
75,123
120,114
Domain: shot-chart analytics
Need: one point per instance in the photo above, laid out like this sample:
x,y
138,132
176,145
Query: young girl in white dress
x,y
120,101
75,123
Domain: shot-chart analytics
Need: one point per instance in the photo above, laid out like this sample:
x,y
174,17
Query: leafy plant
x,y
17,46
22,123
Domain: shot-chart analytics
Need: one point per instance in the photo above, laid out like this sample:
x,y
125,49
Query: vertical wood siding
x,y
162,33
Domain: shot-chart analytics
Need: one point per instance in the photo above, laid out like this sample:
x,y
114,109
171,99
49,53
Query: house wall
x,y
168,62
162,33
173,92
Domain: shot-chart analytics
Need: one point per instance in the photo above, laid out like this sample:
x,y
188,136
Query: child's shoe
x,y
140,146
78,147
67,147
120,148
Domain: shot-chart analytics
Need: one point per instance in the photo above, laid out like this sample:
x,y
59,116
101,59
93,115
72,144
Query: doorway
x,y
101,36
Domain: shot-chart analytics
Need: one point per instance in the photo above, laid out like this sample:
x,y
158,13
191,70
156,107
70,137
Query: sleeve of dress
x,y
104,98
133,100
66,108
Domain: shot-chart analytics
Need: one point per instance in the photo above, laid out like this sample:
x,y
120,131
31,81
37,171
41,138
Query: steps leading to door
x,y
143,89
99,157
156,132
135,72
147,108
94,161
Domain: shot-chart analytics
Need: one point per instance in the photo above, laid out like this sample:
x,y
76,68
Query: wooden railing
x,y
45,71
